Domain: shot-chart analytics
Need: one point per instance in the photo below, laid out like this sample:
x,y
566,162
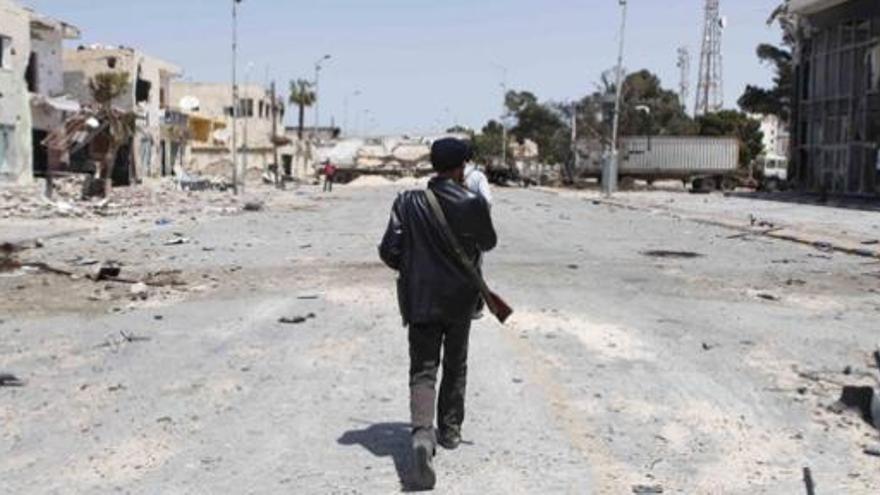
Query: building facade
x,y
209,106
148,97
15,116
836,111
32,99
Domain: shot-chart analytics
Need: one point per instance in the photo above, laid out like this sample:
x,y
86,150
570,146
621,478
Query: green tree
x,y
119,126
487,143
735,124
302,94
544,124
775,100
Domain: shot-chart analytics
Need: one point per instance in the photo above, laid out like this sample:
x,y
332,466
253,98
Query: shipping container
x,y
685,158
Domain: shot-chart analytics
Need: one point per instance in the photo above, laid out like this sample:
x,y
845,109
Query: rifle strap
x,y
460,255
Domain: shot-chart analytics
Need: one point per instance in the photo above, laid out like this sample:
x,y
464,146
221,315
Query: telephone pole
x,y
609,176
235,96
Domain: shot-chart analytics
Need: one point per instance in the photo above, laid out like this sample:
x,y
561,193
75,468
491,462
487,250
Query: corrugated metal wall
x,y
678,154
836,118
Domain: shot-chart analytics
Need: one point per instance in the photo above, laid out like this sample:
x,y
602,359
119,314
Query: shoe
x,y
423,462
449,438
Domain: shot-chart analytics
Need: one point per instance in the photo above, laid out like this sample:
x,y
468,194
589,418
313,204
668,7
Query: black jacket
x,y
432,286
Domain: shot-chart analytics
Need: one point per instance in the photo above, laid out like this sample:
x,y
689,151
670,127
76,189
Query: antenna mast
x,y
710,90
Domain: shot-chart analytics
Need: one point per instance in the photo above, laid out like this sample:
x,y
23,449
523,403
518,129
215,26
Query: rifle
x,y
497,306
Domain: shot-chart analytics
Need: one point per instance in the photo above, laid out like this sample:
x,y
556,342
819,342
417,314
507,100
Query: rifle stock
x,y
499,307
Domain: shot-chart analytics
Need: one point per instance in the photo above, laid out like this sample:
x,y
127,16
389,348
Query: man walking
x,y
437,296
329,175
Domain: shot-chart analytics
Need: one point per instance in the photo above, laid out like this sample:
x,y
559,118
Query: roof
x,y
40,21
807,7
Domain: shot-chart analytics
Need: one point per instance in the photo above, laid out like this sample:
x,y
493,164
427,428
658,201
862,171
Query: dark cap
x,y
449,154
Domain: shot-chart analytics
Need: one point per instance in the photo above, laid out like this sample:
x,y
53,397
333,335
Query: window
x,y
246,107
142,91
5,51
111,62
31,74
5,145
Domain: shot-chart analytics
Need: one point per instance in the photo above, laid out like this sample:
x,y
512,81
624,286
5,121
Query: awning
x,y
61,103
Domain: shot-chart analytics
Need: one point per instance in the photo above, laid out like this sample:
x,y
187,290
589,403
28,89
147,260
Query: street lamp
x,y
234,96
503,85
245,151
345,116
318,66
610,171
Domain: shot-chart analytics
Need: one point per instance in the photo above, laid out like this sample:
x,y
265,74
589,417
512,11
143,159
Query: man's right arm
x,y
391,249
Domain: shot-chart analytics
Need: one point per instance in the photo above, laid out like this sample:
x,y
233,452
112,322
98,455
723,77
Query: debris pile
x,y
154,198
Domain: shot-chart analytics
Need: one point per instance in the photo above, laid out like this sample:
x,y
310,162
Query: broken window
x,y
111,62
142,91
5,49
31,75
246,107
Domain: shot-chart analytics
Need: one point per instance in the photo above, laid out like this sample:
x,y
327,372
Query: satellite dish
x,y
723,22
221,135
189,103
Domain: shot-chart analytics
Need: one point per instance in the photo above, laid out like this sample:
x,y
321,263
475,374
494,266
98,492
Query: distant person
x,y
476,181
329,175
437,296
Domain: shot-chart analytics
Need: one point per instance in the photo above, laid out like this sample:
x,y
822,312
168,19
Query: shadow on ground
x,y
814,199
386,440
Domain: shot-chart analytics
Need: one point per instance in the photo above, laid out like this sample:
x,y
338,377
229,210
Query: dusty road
x,y
702,375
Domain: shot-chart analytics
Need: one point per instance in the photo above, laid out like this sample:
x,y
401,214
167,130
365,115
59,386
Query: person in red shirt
x,y
329,175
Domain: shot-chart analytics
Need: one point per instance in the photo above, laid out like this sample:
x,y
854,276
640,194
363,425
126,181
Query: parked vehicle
x,y
706,163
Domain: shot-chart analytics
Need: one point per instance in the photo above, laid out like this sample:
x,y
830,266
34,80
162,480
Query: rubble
x,y
10,380
661,253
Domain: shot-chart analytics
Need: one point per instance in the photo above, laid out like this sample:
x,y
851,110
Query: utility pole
x,y
318,67
247,114
235,96
609,178
345,116
575,158
504,118
274,110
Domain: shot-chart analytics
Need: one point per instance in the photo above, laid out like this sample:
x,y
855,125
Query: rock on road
x,y
618,369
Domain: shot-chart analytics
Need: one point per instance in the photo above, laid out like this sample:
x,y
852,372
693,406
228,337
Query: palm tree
x,y
118,126
302,94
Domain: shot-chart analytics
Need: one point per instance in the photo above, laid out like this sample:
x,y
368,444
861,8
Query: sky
x,y
423,65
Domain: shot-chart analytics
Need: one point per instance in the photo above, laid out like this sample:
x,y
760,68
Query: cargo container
x,y
704,162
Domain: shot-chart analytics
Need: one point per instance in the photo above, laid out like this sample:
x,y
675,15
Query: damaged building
x,y
836,117
209,107
151,152
32,99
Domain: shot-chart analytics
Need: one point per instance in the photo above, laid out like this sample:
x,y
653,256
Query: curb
x,y
783,233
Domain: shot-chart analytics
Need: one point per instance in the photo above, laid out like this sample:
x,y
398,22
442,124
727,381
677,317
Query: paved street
x,y
704,375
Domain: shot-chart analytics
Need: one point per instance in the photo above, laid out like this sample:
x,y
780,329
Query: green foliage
x,y
737,124
487,144
542,123
302,94
777,99
107,86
